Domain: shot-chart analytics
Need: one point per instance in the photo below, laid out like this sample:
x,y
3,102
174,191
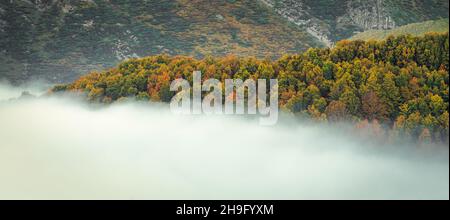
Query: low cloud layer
x,y
7,91
58,148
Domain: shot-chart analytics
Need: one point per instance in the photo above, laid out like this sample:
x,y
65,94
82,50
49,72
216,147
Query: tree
x,y
437,105
390,94
373,107
351,101
425,136
336,111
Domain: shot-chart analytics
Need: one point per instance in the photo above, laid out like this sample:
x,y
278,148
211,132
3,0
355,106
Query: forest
x,y
392,88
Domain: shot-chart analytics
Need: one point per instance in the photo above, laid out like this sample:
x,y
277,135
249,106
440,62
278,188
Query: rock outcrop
x,y
333,20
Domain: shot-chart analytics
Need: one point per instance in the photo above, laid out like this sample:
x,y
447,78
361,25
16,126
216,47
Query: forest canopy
x,y
400,83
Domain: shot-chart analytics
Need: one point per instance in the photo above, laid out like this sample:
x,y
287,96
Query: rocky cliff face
x,y
297,13
333,20
368,15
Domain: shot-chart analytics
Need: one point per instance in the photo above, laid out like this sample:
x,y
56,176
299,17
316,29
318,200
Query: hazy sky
x,y
61,149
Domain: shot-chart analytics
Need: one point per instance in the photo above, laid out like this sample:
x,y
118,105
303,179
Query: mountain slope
x,y
334,20
62,39
58,40
415,29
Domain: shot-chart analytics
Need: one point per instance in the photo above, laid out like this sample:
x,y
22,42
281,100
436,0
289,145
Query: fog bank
x,y
56,148
7,91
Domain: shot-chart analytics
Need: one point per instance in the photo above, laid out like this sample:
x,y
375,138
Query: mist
x,y
60,148
8,91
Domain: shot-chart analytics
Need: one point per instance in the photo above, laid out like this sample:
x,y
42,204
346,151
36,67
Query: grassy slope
x,y
415,29
412,11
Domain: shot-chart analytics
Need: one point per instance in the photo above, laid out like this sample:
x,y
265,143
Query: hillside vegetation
x,y
415,29
400,83
60,40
